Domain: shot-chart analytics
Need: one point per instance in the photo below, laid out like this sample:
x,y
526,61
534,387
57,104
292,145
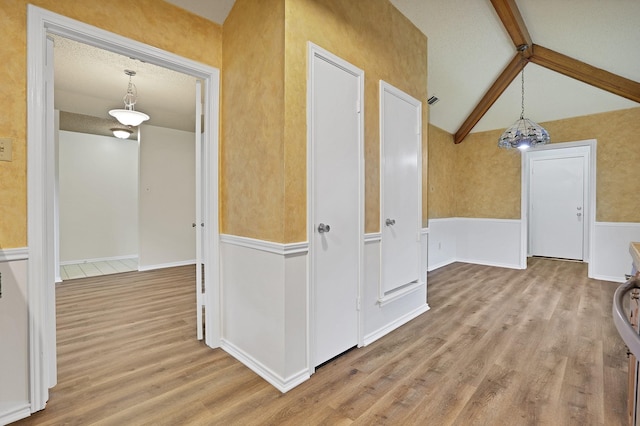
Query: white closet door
x,y
401,141
336,204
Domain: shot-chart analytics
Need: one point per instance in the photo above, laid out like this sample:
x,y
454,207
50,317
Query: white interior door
x,y
400,131
198,224
336,204
557,213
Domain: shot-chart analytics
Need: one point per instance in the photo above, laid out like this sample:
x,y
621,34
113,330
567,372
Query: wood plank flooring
x,y
498,347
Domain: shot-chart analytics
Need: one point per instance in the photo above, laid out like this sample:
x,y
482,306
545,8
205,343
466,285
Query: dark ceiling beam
x,y
497,88
511,18
512,21
586,73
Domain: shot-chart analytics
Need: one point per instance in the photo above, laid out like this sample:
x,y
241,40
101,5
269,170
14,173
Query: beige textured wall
x,y
618,157
486,180
372,35
252,157
149,21
442,167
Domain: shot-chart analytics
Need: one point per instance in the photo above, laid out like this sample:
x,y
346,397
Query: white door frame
x,y
40,173
589,202
313,52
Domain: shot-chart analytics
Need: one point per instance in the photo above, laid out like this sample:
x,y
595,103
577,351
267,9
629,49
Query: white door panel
x,y
401,188
336,153
557,207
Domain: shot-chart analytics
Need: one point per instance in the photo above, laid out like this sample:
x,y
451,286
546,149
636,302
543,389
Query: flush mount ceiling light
x,y
129,116
121,133
524,133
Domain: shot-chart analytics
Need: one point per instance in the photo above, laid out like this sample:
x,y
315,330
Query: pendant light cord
x,y
522,111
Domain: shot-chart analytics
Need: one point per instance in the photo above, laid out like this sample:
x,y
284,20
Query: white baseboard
x,y
282,384
13,414
441,264
98,259
144,268
372,337
489,263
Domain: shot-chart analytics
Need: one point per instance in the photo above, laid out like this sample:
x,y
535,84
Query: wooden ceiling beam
x,y
497,88
511,18
586,73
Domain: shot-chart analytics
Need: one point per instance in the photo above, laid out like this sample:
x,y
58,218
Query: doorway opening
x,y
41,178
558,201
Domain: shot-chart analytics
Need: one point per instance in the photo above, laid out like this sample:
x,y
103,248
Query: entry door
x,y
557,207
401,140
337,235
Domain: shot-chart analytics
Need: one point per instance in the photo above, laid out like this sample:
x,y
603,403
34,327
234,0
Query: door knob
x,y
579,208
390,222
322,228
579,214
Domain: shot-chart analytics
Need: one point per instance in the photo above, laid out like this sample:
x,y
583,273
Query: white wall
x,y
494,242
167,197
610,257
98,197
497,242
265,305
14,345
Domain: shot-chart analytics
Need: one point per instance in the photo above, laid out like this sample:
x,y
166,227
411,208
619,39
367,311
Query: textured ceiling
x,y
468,49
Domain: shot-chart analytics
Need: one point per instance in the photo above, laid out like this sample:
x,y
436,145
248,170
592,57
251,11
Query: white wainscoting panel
x,y
264,308
610,257
493,242
379,319
442,243
14,336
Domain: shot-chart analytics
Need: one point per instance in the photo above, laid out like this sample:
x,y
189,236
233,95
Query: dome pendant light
x,y
524,133
129,116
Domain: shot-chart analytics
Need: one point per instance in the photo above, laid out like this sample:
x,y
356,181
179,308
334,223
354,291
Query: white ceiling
x,y
468,48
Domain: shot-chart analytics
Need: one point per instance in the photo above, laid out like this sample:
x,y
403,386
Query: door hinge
x,y
357,303
358,107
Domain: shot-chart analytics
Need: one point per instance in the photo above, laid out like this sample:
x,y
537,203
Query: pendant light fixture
x,y
129,116
121,133
524,133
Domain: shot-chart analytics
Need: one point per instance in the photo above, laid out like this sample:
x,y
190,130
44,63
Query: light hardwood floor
x,y
498,347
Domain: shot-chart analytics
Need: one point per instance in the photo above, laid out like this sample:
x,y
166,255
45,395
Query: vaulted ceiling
x,y
473,61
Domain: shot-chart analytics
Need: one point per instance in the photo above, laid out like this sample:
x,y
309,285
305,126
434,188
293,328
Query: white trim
x,y
372,237
397,293
9,255
618,224
15,413
313,51
282,384
285,249
98,259
441,264
591,144
166,265
372,337
39,176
